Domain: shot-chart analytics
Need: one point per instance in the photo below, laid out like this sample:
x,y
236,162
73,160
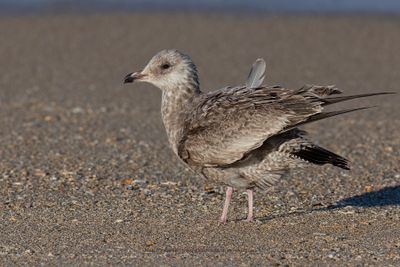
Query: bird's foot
x,y
249,219
222,220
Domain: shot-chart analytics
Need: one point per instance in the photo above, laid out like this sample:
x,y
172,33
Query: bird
x,y
244,137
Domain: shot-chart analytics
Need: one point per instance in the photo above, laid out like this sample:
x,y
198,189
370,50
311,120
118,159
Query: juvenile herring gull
x,y
243,136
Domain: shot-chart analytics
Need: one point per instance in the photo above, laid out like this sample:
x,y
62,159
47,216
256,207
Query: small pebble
x,y
140,181
147,192
77,110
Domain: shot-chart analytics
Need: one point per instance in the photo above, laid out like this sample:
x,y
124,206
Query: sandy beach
x,y
87,176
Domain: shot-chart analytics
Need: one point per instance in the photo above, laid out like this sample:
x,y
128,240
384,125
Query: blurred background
x,y
362,6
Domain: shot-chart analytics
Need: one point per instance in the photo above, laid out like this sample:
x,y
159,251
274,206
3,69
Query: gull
x,y
245,136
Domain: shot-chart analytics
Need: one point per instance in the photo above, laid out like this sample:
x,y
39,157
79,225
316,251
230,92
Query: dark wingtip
x,y
389,93
333,100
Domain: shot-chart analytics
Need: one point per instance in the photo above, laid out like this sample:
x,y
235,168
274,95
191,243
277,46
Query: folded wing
x,y
229,123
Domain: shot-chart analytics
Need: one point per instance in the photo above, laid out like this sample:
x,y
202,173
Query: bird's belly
x,y
262,174
228,176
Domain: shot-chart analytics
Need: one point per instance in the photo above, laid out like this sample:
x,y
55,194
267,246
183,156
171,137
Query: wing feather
x,y
257,74
227,124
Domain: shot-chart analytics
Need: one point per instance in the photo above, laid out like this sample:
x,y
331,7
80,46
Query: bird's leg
x,y
228,197
250,200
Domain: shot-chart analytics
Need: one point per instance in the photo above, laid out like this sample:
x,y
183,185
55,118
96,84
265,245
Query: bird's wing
x,y
257,74
229,123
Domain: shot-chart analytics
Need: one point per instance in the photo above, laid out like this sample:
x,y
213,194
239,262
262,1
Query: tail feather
x,y
323,96
321,156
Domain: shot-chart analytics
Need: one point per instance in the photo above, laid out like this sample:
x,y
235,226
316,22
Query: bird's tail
x,y
321,156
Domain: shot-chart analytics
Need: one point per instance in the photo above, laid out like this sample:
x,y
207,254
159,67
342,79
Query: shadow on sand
x,y
383,197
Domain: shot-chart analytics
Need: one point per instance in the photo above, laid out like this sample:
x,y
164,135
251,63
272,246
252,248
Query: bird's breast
x,y
174,111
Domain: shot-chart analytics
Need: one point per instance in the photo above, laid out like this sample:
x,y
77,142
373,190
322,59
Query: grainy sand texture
x,y
87,176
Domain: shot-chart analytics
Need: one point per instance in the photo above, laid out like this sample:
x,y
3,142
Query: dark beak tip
x,y
129,78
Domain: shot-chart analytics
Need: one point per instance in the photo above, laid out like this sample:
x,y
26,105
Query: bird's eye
x,y
165,66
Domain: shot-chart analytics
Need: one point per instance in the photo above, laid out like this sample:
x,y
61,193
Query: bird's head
x,y
168,69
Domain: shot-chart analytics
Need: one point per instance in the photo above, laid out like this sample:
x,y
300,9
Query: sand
x,y
87,177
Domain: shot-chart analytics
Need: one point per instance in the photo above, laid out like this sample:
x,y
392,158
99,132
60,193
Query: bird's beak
x,y
134,76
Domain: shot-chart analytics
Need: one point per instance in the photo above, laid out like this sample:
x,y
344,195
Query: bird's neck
x,y
175,106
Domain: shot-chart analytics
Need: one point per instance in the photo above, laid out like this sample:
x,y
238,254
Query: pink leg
x,y
228,197
250,199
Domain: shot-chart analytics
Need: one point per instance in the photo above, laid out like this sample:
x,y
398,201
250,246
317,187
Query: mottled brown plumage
x,y
244,136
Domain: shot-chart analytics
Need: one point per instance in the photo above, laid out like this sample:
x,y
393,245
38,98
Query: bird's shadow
x,y
387,196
